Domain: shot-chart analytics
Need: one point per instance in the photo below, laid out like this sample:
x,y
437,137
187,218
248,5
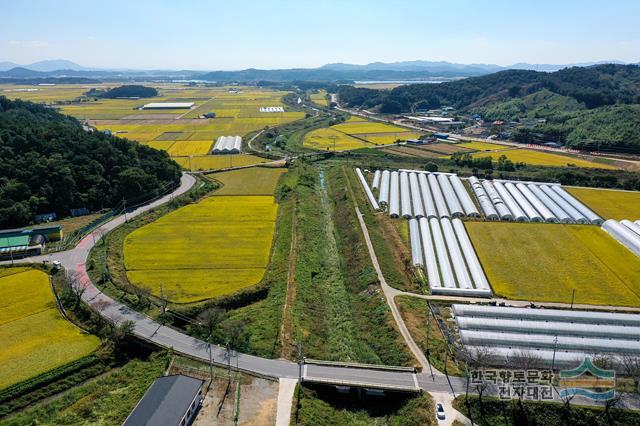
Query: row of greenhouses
x,y
443,249
530,202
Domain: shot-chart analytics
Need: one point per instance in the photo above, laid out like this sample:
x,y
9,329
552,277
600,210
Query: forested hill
x,y
578,97
49,164
128,91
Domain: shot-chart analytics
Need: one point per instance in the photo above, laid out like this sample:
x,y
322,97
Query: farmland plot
x,y
610,204
545,263
538,158
35,337
211,248
330,139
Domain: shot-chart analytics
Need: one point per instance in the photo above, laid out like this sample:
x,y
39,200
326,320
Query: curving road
x,y
167,337
146,328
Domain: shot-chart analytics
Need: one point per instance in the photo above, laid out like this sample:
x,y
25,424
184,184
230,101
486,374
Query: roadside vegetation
x,y
322,407
495,412
105,400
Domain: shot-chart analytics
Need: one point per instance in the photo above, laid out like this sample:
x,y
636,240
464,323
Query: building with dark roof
x,y
169,401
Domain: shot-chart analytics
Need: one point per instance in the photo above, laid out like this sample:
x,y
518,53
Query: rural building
x,y
169,401
272,109
441,135
227,145
168,105
18,243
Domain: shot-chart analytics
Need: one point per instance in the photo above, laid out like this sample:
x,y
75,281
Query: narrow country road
x,y
167,337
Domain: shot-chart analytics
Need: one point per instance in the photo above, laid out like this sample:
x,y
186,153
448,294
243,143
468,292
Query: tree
x,y
210,318
76,286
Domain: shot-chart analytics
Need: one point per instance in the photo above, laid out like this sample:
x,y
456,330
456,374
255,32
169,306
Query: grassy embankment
x,y
338,312
321,408
106,400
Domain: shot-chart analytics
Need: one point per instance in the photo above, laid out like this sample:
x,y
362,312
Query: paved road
x,y
152,331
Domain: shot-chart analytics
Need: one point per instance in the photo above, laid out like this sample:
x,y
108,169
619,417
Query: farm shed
x,y
168,105
272,109
227,145
170,401
549,336
17,243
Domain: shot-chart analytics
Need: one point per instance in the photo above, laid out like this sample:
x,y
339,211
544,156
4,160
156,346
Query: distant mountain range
x,y
406,70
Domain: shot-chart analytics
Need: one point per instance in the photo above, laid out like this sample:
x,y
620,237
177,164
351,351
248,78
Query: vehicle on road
x,y
440,412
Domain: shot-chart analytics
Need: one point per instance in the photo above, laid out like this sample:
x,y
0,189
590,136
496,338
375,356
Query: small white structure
x,y
168,105
272,109
227,145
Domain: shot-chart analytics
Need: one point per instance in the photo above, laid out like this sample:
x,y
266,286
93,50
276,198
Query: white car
x,y
440,411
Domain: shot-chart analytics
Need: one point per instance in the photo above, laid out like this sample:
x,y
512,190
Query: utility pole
x,y
573,296
124,203
300,361
555,348
228,362
210,361
428,329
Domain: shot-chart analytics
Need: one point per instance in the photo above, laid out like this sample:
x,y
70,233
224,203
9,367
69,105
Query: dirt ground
x,y
258,400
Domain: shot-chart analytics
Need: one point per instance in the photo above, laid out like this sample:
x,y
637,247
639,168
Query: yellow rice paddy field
x,y
545,263
212,248
610,204
320,98
213,162
538,158
329,139
354,134
35,337
237,111
355,128
254,181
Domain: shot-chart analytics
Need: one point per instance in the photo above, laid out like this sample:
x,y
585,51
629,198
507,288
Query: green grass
x,y
545,263
416,313
496,412
317,408
107,400
610,204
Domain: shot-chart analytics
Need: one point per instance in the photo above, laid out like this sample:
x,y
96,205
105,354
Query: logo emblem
x,y
588,381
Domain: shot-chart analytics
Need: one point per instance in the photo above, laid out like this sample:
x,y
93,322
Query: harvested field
x,y
35,337
538,158
610,204
212,248
483,146
445,148
253,181
213,162
411,151
545,263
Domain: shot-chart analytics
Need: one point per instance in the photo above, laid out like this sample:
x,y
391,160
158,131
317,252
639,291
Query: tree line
x,y
50,164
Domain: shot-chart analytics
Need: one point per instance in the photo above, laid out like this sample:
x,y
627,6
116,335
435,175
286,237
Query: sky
x,y
239,34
